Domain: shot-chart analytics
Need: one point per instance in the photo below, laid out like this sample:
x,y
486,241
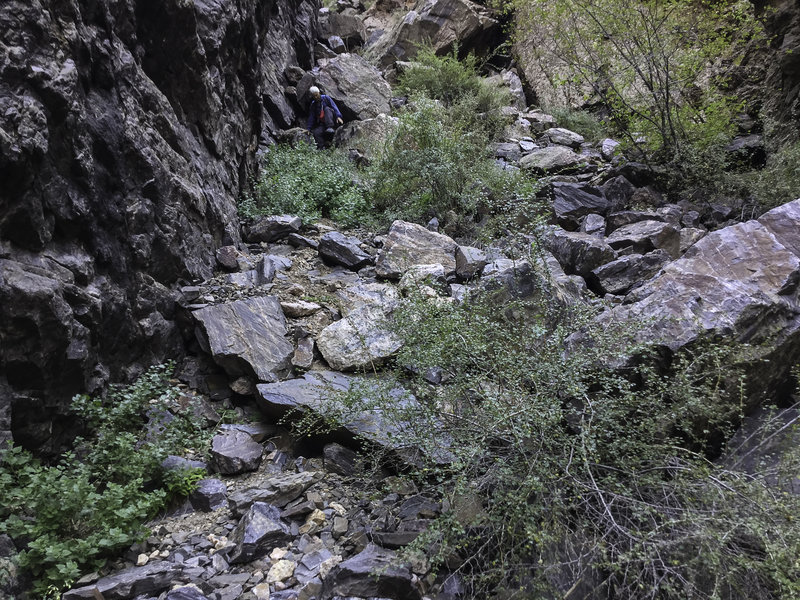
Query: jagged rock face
x,y
126,133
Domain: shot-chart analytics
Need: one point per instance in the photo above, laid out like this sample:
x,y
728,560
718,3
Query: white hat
x,y
313,90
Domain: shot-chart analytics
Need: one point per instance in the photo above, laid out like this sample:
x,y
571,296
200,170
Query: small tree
x,y
655,65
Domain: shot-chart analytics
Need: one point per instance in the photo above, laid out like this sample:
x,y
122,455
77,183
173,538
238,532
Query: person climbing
x,y
322,115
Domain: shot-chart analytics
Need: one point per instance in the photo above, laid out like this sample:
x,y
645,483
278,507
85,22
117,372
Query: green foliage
x,y
71,516
472,102
564,476
776,183
658,67
435,165
303,181
579,121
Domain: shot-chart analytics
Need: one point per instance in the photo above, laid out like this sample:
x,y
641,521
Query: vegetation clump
x,y
564,474
69,517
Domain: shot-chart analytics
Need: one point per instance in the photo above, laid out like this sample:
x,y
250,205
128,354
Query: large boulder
x,y
367,136
409,244
145,581
572,201
247,337
258,532
551,159
339,249
358,341
644,236
738,283
235,452
627,272
578,253
441,24
358,88
374,572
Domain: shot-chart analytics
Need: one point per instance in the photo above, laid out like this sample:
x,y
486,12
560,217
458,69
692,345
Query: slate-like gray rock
x,y
376,294
210,495
578,253
247,337
367,136
563,137
186,592
272,228
339,459
622,275
152,578
360,340
645,236
470,262
350,28
409,244
571,201
429,276
278,490
739,283
258,532
339,249
628,217
594,225
358,88
235,452
369,574
618,191
551,159
440,24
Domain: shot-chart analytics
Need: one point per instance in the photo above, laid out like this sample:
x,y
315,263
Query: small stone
x,y
340,525
281,571
278,553
261,591
328,564
313,522
142,560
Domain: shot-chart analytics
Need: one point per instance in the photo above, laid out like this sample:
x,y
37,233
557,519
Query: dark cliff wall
x,y
127,129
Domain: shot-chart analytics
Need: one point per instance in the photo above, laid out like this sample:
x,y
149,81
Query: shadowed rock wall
x,y
127,129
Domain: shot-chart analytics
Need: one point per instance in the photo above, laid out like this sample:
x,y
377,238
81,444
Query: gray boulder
x,y
339,249
619,192
578,253
738,283
358,88
551,159
258,532
278,491
272,228
628,217
644,236
594,225
235,452
372,573
563,137
381,295
470,262
359,340
350,28
247,337
572,201
627,272
410,244
440,24
150,579
366,136
210,495
339,459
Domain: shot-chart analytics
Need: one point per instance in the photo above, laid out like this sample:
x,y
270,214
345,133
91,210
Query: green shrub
x,y
762,189
472,102
579,121
433,165
69,517
303,181
562,476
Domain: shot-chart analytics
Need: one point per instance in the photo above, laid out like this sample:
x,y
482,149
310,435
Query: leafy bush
x,y
434,165
303,181
472,102
69,517
579,121
565,477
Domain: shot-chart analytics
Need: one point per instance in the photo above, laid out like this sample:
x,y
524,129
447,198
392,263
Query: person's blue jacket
x,y
313,111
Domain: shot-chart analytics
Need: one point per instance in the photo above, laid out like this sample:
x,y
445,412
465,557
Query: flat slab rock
x,y
409,244
235,452
150,579
316,391
278,491
247,337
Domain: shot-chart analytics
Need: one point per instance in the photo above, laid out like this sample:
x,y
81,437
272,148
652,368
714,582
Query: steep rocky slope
x,y
126,132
